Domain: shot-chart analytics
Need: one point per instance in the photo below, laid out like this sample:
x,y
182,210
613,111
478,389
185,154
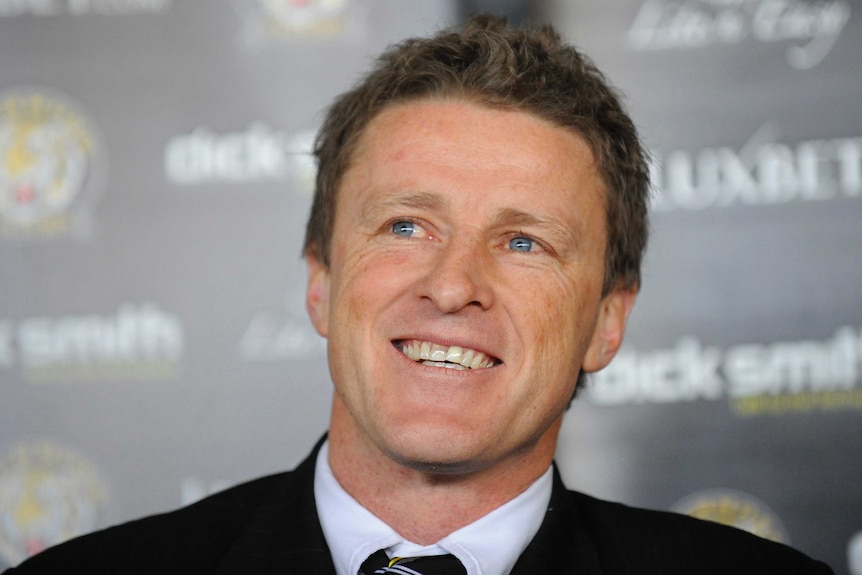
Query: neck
x,y
424,506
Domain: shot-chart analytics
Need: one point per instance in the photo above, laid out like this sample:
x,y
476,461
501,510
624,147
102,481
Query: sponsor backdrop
x,y
154,182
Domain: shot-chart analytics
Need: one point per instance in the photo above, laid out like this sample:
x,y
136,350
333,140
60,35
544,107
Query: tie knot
x,y
380,564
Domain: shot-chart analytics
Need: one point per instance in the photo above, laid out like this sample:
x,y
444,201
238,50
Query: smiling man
x,y
473,249
463,234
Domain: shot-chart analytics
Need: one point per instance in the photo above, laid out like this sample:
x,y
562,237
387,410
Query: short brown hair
x,y
491,63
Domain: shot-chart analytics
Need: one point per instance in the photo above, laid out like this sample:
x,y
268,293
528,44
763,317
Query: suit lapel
x,y
561,545
284,534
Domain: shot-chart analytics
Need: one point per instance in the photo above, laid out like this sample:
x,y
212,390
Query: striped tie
x,y
380,563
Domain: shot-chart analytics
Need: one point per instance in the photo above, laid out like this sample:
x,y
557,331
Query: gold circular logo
x,y
47,148
47,495
734,508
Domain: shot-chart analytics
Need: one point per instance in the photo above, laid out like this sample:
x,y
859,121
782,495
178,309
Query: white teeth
x,y
438,355
478,360
467,357
454,354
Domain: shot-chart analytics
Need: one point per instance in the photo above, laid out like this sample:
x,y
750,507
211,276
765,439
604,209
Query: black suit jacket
x,y
270,525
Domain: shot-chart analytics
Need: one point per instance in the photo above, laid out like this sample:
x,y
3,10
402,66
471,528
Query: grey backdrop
x,y
154,181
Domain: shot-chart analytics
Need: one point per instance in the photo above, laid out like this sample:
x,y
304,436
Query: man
x,y
473,249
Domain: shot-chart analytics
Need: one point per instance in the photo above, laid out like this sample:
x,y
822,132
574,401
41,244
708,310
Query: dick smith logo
x,y
257,154
119,345
810,27
9,8
691,370
762,171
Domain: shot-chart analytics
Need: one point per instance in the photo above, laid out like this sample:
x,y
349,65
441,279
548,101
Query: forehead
x,y
447,128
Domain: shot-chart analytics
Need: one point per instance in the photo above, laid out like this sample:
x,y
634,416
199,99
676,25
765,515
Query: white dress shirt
x,y
490,545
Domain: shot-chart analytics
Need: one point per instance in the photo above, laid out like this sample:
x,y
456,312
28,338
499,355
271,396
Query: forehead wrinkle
x,y
425,201
515,217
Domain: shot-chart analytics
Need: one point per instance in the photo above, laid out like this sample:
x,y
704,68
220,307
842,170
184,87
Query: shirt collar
x,y
490,545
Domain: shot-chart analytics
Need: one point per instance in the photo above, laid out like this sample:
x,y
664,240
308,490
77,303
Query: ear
x,y
610,328
317,293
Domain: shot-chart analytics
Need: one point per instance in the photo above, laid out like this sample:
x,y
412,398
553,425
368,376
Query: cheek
x,y
562,321
367,282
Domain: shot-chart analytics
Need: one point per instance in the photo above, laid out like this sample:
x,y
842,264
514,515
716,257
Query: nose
x,y
460,277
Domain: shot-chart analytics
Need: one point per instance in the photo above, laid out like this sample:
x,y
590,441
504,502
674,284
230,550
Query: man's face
x,y
464,291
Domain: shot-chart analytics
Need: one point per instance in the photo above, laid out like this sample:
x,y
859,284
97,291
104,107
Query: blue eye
x,y
521,244
405,229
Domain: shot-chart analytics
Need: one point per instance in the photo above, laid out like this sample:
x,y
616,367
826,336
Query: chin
x,y
440,452
441,466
